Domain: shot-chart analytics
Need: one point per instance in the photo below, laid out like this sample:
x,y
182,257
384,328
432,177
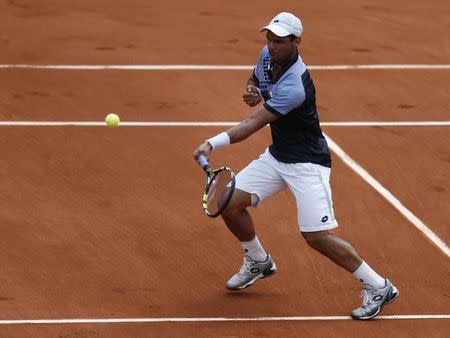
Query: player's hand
x,y
203,149
252,96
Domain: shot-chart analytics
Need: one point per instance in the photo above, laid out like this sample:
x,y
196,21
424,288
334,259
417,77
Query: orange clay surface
x,y
107,223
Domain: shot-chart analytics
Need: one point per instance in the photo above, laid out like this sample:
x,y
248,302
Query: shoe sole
x,y
267,273
392,296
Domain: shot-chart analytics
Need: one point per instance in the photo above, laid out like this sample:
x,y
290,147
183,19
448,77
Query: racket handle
x,y
203,162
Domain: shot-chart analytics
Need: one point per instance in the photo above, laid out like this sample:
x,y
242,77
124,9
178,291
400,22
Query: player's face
x,y
281,49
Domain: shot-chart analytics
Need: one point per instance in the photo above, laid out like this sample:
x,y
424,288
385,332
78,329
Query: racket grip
x,y
203,162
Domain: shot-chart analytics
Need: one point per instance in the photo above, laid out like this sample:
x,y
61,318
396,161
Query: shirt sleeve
x,y
287,95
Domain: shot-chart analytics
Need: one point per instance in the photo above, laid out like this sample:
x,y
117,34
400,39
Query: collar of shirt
x,y
284,70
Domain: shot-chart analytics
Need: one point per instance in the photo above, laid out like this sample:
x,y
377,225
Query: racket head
x,y
218,191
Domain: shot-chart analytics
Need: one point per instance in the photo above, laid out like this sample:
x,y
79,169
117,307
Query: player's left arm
x,y
252,94
258,119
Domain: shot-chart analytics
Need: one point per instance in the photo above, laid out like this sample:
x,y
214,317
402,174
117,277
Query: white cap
x,y
284,24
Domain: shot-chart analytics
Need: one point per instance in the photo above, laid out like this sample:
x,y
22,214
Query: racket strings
x,y
219,190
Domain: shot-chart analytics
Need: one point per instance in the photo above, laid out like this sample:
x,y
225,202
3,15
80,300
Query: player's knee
x,y
239,201
233,208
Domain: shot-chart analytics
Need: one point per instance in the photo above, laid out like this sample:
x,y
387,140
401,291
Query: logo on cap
x,y
276,21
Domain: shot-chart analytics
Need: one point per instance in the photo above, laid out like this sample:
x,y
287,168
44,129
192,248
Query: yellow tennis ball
x,y
112,120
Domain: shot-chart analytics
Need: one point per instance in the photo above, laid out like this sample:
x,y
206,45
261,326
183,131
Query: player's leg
x,y
237,218
310,185
377,291
254,183
335,248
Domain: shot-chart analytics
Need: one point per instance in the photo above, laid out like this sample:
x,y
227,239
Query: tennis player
x,y
297,159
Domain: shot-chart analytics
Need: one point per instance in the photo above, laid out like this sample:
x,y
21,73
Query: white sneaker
x,y
250,272
374,300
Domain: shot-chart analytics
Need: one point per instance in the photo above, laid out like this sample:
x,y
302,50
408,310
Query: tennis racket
x,y
219,188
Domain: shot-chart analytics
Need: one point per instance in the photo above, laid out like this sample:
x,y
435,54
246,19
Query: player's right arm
x,y
258,119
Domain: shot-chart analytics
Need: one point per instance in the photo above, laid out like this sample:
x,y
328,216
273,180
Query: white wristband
x,y
221,140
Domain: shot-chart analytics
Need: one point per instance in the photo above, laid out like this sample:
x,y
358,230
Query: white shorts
x,y
310,184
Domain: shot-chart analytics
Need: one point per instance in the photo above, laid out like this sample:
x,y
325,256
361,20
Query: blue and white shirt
x,y
296,134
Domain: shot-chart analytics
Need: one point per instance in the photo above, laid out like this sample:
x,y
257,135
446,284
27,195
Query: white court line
x,y
388,196
218,124
211,319
225,67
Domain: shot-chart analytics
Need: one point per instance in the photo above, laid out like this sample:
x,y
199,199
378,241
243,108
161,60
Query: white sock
x,y
366,275
254,249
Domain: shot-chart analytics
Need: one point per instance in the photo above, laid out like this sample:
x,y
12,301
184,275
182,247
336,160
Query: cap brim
x,y
276,29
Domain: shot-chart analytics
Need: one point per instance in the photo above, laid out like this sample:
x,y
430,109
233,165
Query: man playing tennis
x,y
298,159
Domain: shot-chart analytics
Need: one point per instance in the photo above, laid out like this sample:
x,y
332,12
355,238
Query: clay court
x,y
103,234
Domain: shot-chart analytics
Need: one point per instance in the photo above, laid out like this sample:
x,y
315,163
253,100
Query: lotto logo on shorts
x,y
324,219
